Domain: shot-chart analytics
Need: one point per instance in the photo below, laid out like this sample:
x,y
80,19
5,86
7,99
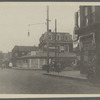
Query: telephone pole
x,y
55,44
48,39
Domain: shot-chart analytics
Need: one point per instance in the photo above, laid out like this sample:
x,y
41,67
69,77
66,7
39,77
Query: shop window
x,y
23,53
62,48
25,60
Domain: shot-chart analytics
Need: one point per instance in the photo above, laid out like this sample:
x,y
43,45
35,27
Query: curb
x,y
67,77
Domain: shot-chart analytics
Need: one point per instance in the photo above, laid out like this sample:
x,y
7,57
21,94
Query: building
x,y
87,33
6,59
19,51
35,59
63,42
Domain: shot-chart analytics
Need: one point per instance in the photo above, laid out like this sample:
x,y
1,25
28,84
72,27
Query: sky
x,y
15,18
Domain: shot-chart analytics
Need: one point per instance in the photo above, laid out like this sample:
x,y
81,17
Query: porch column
x,y
29,63
68,48
38,63
44,62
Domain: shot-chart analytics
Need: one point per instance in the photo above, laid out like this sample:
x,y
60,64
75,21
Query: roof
x,y
25,48
51,55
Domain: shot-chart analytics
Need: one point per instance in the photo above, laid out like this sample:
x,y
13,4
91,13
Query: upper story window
x,y
86,21
62,37
93,9
50,37
16,54
92,14
86,16
86,11
33,52
66,38
57,37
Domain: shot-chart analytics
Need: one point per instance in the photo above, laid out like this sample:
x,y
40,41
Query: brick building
x,y
87,35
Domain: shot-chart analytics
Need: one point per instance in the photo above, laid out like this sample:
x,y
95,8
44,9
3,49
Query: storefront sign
x,y
87,42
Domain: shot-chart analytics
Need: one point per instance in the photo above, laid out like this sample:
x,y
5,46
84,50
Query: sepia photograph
x,y
49,48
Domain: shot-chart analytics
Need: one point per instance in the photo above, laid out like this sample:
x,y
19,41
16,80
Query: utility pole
x,y
55,44
48,39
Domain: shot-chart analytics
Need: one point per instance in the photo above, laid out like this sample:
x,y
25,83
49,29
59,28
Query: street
x,y
34,82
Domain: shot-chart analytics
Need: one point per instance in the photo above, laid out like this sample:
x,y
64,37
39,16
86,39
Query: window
x,y
33,52
63,37
66,37
86,11
16,54
92,14
93,9
23,53
57,37
50,37
86,16
67,48
62,48
25,60
86,21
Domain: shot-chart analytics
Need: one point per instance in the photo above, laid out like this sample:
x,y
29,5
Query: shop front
x,y
87,51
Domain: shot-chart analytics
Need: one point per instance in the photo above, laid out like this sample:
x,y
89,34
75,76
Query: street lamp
x,y
47,36
33,24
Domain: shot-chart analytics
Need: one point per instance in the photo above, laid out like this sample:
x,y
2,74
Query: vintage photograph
x,y
49,48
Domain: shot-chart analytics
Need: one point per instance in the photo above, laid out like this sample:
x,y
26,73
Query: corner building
x,y
87,30
64,43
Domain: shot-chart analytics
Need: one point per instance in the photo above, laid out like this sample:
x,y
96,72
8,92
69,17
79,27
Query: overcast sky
x,y
15,17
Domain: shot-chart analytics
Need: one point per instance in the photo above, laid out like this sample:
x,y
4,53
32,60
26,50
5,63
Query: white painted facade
x,y
34,63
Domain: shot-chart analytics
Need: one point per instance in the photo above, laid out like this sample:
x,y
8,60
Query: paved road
x,y
34,82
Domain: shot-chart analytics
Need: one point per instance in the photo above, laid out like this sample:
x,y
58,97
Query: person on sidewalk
x,y
58,67
10,64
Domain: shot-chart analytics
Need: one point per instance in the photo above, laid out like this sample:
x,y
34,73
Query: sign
x,y
51,47
88,42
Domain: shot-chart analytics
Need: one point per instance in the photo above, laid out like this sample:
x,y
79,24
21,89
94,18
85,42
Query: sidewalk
x,y
20,68
68,74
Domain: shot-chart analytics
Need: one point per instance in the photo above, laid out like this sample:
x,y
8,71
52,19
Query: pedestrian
x,y
59,67
10,64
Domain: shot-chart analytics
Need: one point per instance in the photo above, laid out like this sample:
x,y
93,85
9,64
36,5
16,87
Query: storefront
x,y
88,50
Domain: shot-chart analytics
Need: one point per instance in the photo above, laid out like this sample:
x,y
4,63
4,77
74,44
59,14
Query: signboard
x,y
51,47
87,42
